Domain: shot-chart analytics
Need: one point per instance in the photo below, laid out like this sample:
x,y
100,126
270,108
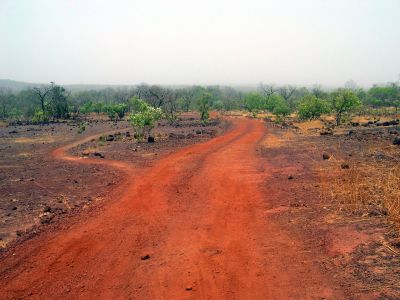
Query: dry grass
x,y
368,188
33,140
273,141
310,127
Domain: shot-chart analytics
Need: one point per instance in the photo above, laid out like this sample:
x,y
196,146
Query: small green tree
x,y
219,105
144,119
311,107
40,117
109,110
343,101
134,104
98,107
253,102
272,101
120,109
203,105
58,106
86,108
116,111
281,109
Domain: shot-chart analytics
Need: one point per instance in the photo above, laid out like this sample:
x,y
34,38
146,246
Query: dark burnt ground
x,y
36,189
122,145
358,248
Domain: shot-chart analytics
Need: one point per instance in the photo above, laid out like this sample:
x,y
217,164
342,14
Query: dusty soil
x,y
360,243
240,216
37,189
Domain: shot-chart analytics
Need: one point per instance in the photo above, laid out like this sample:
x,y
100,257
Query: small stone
x,y
290,177
326,156
47,209
189,288
345,166
150,139
110,138
144,257
396,141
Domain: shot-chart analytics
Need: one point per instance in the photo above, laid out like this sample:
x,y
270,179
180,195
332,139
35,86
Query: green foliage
x,y
82,128
203,105
57,106
281,109
218,105
253,102
272,101
86,108
134,104
98,107
277,105
144,119
115,111
40,117
343,101
311,107
121,109
383,96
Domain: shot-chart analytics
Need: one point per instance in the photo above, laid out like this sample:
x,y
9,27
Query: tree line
x,y
50,102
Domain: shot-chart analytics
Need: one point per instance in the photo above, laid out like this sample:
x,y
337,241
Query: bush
x,y
40,118
144,120
343,101
82,128
272,101
86,108
116,111
203,105
281,109
253,102
311,107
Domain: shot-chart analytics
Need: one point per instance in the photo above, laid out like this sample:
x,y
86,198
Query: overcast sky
x,y
200,42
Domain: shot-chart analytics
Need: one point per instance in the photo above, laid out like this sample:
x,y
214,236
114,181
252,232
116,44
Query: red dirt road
x,y
199,214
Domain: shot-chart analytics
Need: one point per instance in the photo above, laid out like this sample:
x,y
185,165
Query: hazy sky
x,y
202,42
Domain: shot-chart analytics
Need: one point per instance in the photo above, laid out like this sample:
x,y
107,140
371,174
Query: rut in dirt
x,y
193,226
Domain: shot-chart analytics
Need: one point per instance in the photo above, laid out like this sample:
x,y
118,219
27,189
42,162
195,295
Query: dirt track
x,y
199,214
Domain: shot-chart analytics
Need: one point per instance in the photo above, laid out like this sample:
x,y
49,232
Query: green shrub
x,y
115,111
40,117
311,107
281,109
203,105
81,128
144,120
253,102
343,101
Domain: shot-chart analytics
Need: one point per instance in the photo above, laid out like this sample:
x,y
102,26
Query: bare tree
x,y
170,104
187,95
267,89
4,102
287,91
318,91
41,93
154,94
